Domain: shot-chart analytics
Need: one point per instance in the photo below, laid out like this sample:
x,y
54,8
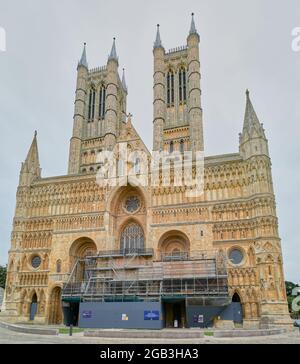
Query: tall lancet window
x,y
92,98
102,97
170,89
182,85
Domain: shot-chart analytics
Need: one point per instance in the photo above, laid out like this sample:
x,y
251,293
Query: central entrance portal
x,y
174,314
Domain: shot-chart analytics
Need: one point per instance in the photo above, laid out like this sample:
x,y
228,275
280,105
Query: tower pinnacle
x,y
124,81
157,43
250,118
30,169
83,60
113,52
253,140
193,29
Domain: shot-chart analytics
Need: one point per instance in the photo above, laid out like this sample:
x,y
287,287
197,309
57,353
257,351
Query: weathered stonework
x,y
61,218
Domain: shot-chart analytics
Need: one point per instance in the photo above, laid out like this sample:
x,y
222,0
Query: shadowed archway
x,y
174,244
55,309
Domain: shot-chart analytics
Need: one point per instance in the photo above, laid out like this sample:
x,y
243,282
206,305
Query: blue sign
x,y
151,315
87,314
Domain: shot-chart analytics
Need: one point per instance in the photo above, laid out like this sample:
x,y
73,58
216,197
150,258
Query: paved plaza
x,y
11,337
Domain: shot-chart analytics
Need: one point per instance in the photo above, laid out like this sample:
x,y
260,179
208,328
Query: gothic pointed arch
x,y
117,193
55,306
132,237
237,296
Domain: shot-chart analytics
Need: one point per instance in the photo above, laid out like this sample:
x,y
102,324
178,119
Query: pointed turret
x,y
252,140
194,90
111,104
113,52
250,118
124,81
193,29
83,60
157,43
30,169
80,97
159,103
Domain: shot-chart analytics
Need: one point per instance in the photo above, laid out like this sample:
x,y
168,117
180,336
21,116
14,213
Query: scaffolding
x,y
134,275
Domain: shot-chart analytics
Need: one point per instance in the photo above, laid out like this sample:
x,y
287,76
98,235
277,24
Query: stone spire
x,y
113,52
253,140
124,81
157,43
83,60
250,118
30,169
193,29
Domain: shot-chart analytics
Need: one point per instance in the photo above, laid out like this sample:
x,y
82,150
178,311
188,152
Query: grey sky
x,y
244,44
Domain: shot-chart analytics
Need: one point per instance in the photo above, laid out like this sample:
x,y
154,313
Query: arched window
x,y
176,252
181,146
182,85
137,166
33,307
92,104
236,298
132,238
170,88
102,97
171,147
58,266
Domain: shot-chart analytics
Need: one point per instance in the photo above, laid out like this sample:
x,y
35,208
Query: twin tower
x,y
100,104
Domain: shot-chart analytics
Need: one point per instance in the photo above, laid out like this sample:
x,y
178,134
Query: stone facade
x,y
59,219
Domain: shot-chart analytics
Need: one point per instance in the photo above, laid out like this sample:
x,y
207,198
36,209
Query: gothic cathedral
x,y
212,260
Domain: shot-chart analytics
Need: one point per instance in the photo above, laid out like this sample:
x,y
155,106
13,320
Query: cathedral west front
x,y
139,254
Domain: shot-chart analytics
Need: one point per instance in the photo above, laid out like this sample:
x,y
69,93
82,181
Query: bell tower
x,y
100,112
177,121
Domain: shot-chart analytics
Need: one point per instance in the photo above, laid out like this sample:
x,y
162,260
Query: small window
x,y
176,252
181,146
171,147
36,261
236,256
58,266
137,166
